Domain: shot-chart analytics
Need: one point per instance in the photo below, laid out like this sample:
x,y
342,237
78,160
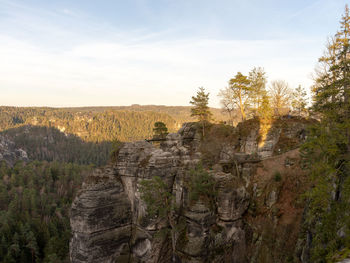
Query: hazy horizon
x,y
105,106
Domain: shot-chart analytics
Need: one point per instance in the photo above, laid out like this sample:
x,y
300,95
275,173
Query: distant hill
x,y
180,114
49,144
97,124
85,135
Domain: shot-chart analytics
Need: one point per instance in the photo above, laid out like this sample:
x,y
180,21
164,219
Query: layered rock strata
x,y
110,223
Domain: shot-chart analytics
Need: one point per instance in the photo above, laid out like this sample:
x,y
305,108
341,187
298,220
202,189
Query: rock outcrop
x,y
110,223
9,152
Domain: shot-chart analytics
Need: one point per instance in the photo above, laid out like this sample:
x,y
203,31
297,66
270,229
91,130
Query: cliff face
x,y
9,152
255,200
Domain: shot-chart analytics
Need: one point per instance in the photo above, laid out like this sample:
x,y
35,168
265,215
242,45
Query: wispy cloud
x,y
305,9
125,74
79,60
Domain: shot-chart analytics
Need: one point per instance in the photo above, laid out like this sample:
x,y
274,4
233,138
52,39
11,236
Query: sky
x,y
62,53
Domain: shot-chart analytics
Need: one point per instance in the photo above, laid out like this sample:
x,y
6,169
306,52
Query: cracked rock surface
x,y
109,220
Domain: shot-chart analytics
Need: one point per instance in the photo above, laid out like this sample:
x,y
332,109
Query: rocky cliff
x,y
255,217
9,152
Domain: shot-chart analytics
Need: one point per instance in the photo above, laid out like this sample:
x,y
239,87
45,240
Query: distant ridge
x,y
177,112
105,123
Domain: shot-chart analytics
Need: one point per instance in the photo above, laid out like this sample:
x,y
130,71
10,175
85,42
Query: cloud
x,y
137,72
91,63
305,9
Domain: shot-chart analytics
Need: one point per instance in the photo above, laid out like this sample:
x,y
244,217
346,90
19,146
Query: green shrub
x,y
277,176
201,185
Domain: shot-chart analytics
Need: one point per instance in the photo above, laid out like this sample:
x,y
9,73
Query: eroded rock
x,y
109,219
10,153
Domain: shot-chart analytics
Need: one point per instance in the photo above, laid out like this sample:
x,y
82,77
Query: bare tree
x,y
228,103
280,96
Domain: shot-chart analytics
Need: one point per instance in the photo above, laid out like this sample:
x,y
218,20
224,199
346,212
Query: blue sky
x,y
81,53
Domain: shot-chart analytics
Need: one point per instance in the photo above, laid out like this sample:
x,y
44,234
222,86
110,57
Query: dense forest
x,y
180,114
89,126
35,199
49,144
98,124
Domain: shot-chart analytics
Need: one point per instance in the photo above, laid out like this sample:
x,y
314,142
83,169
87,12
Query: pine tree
x,y
327,149
265,111
332,87
160,130
32,245
200,107
236,96
299,100
257,78
241,91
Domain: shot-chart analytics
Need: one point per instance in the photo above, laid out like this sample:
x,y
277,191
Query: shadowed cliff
x,y
255,218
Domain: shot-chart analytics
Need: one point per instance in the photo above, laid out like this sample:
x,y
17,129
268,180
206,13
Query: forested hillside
x,y
85,135
180,114
98,124
50,144
35,201
89,125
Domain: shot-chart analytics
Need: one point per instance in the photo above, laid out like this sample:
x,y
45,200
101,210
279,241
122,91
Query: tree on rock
x,y
280,96
244,93
257,78
299,100
265,111
160,131
236,95
227,102
200,107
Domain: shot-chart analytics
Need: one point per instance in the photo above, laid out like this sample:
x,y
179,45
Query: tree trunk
x,y
241,106
203,128
230,116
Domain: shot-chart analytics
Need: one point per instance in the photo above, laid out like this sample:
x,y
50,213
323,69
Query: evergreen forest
x,y
35,200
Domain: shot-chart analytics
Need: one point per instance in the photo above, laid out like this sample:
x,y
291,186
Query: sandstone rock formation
x,y
9,152
109,219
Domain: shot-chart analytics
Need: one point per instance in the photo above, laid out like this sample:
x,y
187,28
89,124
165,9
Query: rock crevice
x,y
110,223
